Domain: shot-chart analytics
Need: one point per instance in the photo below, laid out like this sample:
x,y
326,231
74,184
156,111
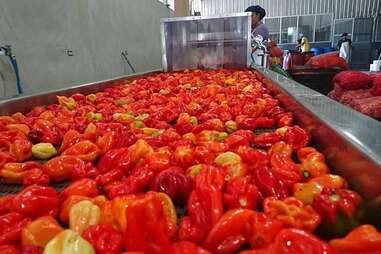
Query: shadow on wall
x,y
64,42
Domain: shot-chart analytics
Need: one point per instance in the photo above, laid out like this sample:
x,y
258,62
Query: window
x,y
342,26
306,27
289,30
170,3
323,27
273,24
363,30
378,31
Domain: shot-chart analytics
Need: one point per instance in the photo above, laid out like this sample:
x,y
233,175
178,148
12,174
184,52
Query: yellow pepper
x,y
230,126
43,151
83,215
69,103
227,158
68,242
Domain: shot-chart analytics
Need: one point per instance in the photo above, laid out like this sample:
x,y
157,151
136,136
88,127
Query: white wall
x,y
95,30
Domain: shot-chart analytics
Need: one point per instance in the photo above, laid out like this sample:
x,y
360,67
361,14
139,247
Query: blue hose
x,y
20,88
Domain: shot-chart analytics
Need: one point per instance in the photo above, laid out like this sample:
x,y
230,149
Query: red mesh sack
x,y
349,96
368,106
352,80
328,61
376,87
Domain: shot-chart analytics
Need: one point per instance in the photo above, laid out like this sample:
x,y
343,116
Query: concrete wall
x,y
96,31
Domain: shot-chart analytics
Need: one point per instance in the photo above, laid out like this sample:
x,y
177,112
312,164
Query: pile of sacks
x,y
359,91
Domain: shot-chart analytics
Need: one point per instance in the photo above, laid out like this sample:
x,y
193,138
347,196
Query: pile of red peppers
x,y
190,162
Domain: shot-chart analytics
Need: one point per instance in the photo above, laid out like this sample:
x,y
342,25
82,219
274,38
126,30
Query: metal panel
x,y
221,41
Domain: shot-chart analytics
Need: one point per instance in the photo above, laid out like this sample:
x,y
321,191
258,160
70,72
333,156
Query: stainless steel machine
x,y
206,42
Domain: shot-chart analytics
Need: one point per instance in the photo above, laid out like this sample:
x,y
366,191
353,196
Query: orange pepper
x,y
363,239
85,150
303,152
313,166
60,168
113,212
69,139
21,127
19,117
7,120
292,212
331,181
21,149
14,172
281,147
151,223
40,231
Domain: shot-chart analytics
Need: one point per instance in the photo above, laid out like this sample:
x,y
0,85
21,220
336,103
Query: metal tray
x,y
350,141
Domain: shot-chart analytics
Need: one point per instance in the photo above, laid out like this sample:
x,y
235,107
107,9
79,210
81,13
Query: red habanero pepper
x,y
231,232
21,149
70,138
203,155
89,171
11,225
266,140
253,157
35,201
337,209
264,230
84,187
14,172
235,140
84,150
270,184
205,208
295,241
9,249
285,168
264,122
104,238
285,119
175,183
184,156
32,250
6,157
297,137
60,168
292,212
184,247
138,181
210,176
363,239
151,223
159,160
112,158
241,193
35,176
6,204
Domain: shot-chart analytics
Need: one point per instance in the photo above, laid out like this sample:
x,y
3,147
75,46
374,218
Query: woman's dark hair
x,y
256,9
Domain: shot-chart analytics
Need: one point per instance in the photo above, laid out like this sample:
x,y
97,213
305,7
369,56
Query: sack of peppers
x,y
172,163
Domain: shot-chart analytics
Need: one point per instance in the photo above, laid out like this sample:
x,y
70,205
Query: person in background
x,y
305,44
257,26
299,45
344,47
